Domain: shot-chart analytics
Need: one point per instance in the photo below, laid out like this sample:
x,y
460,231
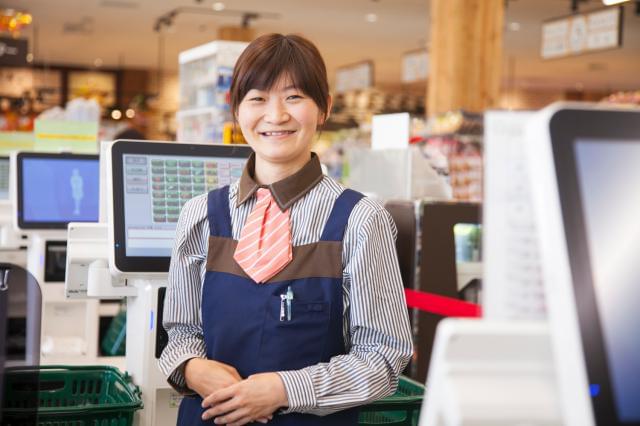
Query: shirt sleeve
x,y
181,318
379,331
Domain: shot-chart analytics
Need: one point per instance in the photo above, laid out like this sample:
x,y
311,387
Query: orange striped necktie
x,y
264,248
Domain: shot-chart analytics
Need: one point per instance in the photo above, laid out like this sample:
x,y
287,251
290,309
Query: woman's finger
x,y
219,396
220,409
239,416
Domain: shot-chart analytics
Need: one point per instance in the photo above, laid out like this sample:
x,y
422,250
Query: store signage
x,y
415,66
354,77
582,33
73,136
13,51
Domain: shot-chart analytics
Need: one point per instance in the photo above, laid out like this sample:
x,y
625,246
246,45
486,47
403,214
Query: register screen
x,y
156,188
60,190
608,176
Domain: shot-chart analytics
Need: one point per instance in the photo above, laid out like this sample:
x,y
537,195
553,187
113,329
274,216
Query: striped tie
x,y
264,248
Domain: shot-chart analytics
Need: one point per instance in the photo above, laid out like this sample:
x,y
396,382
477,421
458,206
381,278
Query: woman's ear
x,y
325,116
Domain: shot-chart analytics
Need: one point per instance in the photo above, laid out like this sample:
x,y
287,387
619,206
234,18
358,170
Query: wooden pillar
x,y
236,33
465,55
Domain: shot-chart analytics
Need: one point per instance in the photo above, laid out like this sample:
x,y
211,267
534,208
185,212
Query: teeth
x,y
285,132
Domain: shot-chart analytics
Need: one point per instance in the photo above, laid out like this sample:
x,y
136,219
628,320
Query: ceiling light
x,y
29,57
116,114
514,26
371,17
218,6
612,2
130,113
97,62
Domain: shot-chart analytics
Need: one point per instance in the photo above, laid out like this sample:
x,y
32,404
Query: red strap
x,y
441,305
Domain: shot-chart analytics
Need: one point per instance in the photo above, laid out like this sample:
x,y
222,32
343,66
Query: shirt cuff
x,y
177,379
300,393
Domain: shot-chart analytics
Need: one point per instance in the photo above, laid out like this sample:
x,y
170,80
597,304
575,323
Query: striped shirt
x,y
375,324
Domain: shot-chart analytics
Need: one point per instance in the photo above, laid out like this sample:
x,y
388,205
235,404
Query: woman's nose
x,y
276,112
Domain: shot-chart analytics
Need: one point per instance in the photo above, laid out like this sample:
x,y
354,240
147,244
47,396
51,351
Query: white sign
x,y
582,33
390,131
415,66
354,77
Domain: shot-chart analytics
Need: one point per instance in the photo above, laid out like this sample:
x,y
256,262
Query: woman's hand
x,y
253,399
206,376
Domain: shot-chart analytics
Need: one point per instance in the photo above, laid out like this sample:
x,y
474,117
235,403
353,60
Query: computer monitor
x,y
21,296
584,160
55,189
439,269
434,259
4,178
151,181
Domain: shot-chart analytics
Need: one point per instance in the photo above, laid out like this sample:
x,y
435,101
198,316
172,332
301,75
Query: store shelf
x,y
205,81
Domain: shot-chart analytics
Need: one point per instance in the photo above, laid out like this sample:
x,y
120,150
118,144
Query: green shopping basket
x,y
400,409
69,396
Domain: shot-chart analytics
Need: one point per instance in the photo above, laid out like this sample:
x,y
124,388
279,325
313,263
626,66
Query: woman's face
x,y
279,123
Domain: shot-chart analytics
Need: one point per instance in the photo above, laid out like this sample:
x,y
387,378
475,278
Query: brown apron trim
x,y
321,259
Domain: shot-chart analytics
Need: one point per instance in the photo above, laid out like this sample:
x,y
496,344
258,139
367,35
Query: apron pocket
x,y
296,343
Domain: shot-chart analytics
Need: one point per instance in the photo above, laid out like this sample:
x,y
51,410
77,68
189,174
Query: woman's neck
x,y
266,173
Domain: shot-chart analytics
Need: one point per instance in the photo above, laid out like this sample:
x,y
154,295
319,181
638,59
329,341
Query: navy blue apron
x,y
242,320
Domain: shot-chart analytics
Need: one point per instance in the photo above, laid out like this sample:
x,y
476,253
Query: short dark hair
x,y
272,56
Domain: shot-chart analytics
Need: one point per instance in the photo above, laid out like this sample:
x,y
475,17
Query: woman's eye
x,y
294,97
257,99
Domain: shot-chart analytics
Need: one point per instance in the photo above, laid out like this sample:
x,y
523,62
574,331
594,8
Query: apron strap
x,y
339,217
218,212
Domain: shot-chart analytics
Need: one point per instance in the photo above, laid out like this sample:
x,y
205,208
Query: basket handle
x,y
132,386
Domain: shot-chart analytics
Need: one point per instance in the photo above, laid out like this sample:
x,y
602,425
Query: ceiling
x,y
120,33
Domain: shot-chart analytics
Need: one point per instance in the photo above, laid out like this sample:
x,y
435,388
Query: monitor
x,y
55,189
441,266
4,178
434,237
151,181
585,165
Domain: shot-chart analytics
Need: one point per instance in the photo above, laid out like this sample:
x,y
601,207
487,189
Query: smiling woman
x,y
288,325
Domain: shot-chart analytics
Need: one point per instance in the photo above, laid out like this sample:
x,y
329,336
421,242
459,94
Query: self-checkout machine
x,y
49,191
576,365
148,183
13,244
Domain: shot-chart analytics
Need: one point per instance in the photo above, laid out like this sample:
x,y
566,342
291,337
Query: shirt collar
x,y
286,191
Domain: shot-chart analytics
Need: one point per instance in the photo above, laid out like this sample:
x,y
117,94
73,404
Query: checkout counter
x,y
128,257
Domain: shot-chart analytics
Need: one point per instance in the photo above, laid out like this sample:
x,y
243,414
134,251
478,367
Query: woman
x,y
285,303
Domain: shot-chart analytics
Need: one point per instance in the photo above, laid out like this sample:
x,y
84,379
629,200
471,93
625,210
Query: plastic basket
x,y
69,396
401,408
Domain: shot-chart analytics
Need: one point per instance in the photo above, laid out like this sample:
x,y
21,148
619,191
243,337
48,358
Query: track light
x,y
612,2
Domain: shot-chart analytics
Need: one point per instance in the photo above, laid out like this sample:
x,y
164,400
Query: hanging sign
x,y
354,77
415,66
582,33
13,51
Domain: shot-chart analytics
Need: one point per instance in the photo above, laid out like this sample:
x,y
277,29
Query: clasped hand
x,y
231,400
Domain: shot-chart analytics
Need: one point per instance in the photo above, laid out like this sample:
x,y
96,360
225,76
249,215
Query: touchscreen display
x,y
608,176
155,189
59,190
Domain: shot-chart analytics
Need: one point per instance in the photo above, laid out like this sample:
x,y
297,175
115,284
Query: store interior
x,y
492,131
